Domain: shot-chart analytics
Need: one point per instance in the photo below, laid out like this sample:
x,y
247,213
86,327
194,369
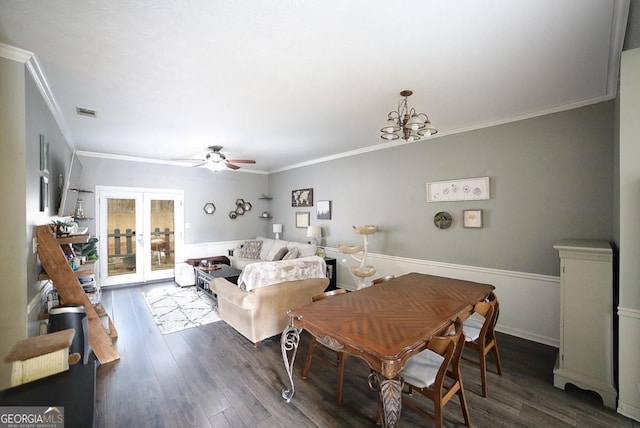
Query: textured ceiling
x,y
286,82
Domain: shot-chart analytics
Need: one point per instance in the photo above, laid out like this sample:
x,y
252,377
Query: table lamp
x,y
277,229
314,232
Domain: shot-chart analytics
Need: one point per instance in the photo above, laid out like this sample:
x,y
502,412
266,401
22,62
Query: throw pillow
x,y
251,250
292,254
280,254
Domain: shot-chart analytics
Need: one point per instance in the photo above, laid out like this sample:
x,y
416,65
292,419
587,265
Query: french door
x,y
140,233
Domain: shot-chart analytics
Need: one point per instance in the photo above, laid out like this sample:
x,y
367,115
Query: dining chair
x,y
435,373
382,279
479,330
336,361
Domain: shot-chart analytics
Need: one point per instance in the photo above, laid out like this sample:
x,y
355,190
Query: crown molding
x,y
618,31
152,160
33,66
15,54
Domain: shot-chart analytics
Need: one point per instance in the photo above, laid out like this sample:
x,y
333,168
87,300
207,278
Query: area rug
x,y
177,308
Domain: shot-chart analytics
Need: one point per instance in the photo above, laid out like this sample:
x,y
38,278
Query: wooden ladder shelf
x,y
54,262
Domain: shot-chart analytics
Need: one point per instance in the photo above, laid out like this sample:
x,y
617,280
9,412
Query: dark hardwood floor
x,y
211,376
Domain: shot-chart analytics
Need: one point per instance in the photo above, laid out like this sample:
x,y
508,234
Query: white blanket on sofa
x,y
263,274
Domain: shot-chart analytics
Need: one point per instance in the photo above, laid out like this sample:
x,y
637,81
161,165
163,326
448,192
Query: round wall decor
x,y
442,220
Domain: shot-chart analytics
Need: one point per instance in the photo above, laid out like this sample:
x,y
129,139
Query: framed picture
x,y
44,155
302,198
323,210
466,189
472,218
302,219
44,193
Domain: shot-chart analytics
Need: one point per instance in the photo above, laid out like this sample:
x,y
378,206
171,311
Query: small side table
x,y
332,273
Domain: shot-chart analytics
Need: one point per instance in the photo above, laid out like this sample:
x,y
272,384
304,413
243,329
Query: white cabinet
x,y
586,318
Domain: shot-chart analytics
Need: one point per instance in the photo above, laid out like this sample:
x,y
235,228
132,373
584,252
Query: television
x,y
69,196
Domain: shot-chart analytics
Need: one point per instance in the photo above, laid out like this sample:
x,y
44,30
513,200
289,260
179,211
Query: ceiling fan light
x,y
215,166
389,137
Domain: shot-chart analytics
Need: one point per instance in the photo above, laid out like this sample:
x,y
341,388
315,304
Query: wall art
x,y
302,198
302,219
44,156
466,189
442,220
44,193
323,210
472,218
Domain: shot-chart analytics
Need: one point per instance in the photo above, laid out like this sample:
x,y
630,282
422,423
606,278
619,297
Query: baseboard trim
x,y
629,411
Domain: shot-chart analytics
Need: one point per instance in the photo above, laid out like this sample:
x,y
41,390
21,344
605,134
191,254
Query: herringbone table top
x,y
392,320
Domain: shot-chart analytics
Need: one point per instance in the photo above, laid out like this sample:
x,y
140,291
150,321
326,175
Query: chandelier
x,y
406,123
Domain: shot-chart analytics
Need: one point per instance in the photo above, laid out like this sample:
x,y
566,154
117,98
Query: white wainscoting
x,y
628,367
210,249
529,303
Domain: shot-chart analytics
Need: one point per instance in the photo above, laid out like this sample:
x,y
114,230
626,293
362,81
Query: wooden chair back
x,y
326,294
382,279
448,380
486,342
337,360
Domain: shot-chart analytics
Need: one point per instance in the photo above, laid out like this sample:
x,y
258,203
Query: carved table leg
x,y
389,398
289,342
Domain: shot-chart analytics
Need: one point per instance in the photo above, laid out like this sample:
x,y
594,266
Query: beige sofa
x,y
271,250
257,307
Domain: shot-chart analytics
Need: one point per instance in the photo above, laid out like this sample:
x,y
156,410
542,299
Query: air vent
x,y
86,112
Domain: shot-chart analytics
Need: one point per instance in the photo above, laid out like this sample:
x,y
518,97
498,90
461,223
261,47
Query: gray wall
x,y
551,178
40,121
200,186
632,36
12,184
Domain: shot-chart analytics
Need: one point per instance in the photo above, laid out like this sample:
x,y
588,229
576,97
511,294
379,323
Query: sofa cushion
x,y
280,254
275,248
267,243
251,249
292,253
305,250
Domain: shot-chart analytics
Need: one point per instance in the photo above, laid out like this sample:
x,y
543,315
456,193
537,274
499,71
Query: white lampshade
x,y
314,232
428,130
390,126
415,123
389,136
277,228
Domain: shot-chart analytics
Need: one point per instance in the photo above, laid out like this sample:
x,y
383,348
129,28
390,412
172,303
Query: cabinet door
x,y
587,315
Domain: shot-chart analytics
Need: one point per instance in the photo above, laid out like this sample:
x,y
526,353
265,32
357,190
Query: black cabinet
x,y
331,273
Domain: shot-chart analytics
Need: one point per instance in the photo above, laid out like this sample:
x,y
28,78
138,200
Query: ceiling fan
x,y
216,161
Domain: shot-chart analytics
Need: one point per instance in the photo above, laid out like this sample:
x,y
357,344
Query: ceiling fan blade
x,y
241,160
231,166
200,164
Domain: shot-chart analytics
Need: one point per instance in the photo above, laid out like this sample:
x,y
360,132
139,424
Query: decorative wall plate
x,y
442,220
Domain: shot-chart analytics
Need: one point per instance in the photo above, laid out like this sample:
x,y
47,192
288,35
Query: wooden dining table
x,y
385,324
